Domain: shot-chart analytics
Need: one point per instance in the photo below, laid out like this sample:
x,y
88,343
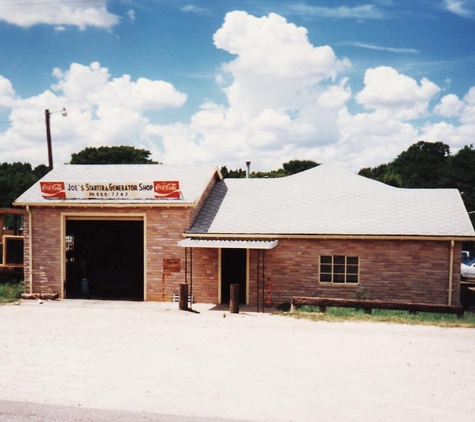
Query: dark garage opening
x,y
104,259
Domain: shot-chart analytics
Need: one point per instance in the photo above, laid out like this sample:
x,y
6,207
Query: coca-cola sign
x,y
166,189
53,189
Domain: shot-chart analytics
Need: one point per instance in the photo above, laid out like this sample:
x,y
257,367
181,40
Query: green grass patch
x,y
336,314
10,291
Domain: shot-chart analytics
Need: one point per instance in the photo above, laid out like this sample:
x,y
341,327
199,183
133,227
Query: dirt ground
x,y
150,357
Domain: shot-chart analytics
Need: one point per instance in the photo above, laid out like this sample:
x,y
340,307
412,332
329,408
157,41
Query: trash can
x,y
85,286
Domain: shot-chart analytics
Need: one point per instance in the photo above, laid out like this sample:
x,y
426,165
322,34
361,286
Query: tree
x,y
297,166
233,174
112,155
15,179
383,173
289,168
422,165
461,175
430,165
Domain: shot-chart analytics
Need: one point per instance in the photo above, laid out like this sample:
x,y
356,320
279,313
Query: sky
x,y
219,82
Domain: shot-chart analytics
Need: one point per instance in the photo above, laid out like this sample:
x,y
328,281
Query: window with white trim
x,y
339,269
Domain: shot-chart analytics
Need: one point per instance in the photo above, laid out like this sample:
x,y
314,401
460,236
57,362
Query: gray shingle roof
x,y
328,201
193,180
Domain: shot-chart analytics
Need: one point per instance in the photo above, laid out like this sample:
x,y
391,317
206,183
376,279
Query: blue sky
x,y
349,83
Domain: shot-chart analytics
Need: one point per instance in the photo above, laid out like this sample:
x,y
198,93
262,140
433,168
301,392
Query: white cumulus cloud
x,y
385,88
284,98
275,66
449,106
8,97
288,99
93,86
102,111
58,13
279,88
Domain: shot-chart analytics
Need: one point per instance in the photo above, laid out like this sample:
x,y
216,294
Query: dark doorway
x,y
104,259
233,271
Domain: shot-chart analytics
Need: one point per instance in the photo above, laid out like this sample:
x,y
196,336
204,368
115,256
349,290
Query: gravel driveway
x,y
150,357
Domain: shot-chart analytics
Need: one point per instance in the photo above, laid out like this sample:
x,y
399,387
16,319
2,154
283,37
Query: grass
x,y
10,291
335,314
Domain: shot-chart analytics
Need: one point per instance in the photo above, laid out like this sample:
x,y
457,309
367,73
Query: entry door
x,y
233,271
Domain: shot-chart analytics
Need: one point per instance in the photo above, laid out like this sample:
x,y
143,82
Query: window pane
x,y
352,260
325,278
339,259
339,278
352,278
352,269
326,259
339,269
326,269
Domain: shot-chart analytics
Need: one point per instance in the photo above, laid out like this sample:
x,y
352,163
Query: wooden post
x,y
183,299
234,299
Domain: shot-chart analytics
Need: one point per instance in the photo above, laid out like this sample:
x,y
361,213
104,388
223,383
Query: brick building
x,y
138,231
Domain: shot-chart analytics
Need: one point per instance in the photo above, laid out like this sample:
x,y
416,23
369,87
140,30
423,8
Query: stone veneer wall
x,y
399,270
26,254
163,229
413,271
45,238
205,275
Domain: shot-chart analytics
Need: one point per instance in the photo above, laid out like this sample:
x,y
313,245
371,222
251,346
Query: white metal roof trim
x,y
235,244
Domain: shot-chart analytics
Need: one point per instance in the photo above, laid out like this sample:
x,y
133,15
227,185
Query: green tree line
x,y
430,165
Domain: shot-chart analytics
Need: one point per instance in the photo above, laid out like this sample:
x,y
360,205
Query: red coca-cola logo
x,y
53,189
166,189
166,186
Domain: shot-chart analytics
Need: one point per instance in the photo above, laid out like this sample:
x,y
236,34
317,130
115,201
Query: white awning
x,y
235,244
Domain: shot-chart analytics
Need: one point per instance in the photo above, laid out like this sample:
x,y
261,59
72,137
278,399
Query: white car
x,y
468,268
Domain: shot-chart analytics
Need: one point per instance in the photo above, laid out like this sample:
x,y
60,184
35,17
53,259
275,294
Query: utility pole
x,y
48,140
64,113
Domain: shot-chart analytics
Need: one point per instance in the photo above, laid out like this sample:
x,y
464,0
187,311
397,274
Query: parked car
x,y
468,268
465,256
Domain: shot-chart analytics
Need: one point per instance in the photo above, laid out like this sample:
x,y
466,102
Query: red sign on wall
x,y
171,265
53,189
166,189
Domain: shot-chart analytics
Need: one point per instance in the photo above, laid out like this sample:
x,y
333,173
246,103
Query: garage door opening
x,y
104,259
